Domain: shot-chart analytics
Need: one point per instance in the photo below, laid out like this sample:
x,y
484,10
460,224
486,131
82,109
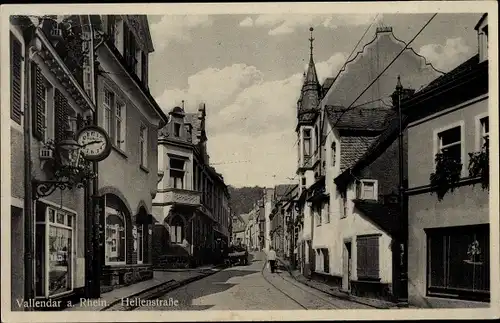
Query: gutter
x,y
41,35
148,96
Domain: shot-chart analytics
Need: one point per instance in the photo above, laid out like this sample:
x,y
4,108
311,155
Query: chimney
x,y
405,93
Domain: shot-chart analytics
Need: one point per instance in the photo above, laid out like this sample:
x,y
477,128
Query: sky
x,y
248,69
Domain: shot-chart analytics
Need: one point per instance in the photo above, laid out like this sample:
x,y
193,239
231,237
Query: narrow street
x,y
250,288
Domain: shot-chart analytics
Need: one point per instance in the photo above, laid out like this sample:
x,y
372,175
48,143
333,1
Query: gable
x,y
375,56
140,27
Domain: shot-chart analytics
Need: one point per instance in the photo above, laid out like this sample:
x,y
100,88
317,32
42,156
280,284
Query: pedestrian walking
x,y
271,257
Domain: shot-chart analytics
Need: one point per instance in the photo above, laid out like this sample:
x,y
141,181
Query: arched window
x,y
176,230
115,236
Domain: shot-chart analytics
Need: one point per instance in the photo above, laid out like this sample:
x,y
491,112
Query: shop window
x,y
115,236
458,261
54,250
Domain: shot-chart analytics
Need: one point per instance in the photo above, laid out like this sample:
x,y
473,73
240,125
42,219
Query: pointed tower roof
x,y
310,94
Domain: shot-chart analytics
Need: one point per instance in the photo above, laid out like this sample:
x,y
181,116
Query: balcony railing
x,y
181,196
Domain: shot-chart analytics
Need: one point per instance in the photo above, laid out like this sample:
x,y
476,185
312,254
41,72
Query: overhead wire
x,y
350,107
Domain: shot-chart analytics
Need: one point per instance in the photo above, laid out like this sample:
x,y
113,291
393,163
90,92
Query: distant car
x,y
238,254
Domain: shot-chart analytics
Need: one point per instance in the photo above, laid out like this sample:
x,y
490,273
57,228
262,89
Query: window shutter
x,y
373,257
39,111
361,257
15,84
61,115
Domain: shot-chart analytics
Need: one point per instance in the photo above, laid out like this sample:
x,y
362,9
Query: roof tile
x,y
361,118
352,148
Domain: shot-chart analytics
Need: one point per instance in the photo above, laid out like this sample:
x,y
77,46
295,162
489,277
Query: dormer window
x,y
177,129
367,190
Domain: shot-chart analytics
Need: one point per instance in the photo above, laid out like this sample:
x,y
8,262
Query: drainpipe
x,y
402,297
29,230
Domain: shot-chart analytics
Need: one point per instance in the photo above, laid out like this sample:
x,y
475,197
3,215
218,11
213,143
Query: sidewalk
x,y
376,303
163,281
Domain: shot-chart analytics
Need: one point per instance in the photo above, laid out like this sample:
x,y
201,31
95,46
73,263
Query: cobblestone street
x,y
249,288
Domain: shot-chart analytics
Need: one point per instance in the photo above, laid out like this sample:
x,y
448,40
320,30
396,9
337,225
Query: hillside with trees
x,y
243,198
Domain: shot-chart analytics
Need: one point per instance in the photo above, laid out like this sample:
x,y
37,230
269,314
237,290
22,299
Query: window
x,y
143,144
449,143
109,98
458,261
316,138
343,203
326,260
307,142
115,236
137,232
367,257
120,125
16,82
138,65
177,129
44,115
484,131
327,212
54,250
334,153
130,48
144,68
318,211
366,190
177,173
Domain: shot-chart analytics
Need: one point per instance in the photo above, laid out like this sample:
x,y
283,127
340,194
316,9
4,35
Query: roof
x,y
480,21
358,118
352,148
460,70
386,216
371,60
378,145
282,190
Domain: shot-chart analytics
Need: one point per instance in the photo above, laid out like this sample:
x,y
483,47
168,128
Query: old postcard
x,y
286,161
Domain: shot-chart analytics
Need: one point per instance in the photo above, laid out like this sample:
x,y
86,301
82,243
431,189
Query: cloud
x,y
448,56
249,118
247,22
287,23
176,28
212,86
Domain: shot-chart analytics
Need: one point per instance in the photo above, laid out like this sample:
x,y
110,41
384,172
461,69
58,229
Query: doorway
x,y
347,266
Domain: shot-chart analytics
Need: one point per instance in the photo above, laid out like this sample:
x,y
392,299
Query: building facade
x,y
71,235
334,130
48,229
132,118
191,209
448,242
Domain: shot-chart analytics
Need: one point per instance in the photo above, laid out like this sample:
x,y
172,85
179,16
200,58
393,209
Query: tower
x,y
307,114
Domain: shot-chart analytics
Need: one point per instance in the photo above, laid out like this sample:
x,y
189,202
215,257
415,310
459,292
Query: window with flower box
x,y
54,250
458,262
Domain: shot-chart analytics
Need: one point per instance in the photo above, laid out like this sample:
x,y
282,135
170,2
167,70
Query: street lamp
x,y
69,168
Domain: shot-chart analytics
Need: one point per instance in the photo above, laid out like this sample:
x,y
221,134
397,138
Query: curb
x,y
158,290
345,297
